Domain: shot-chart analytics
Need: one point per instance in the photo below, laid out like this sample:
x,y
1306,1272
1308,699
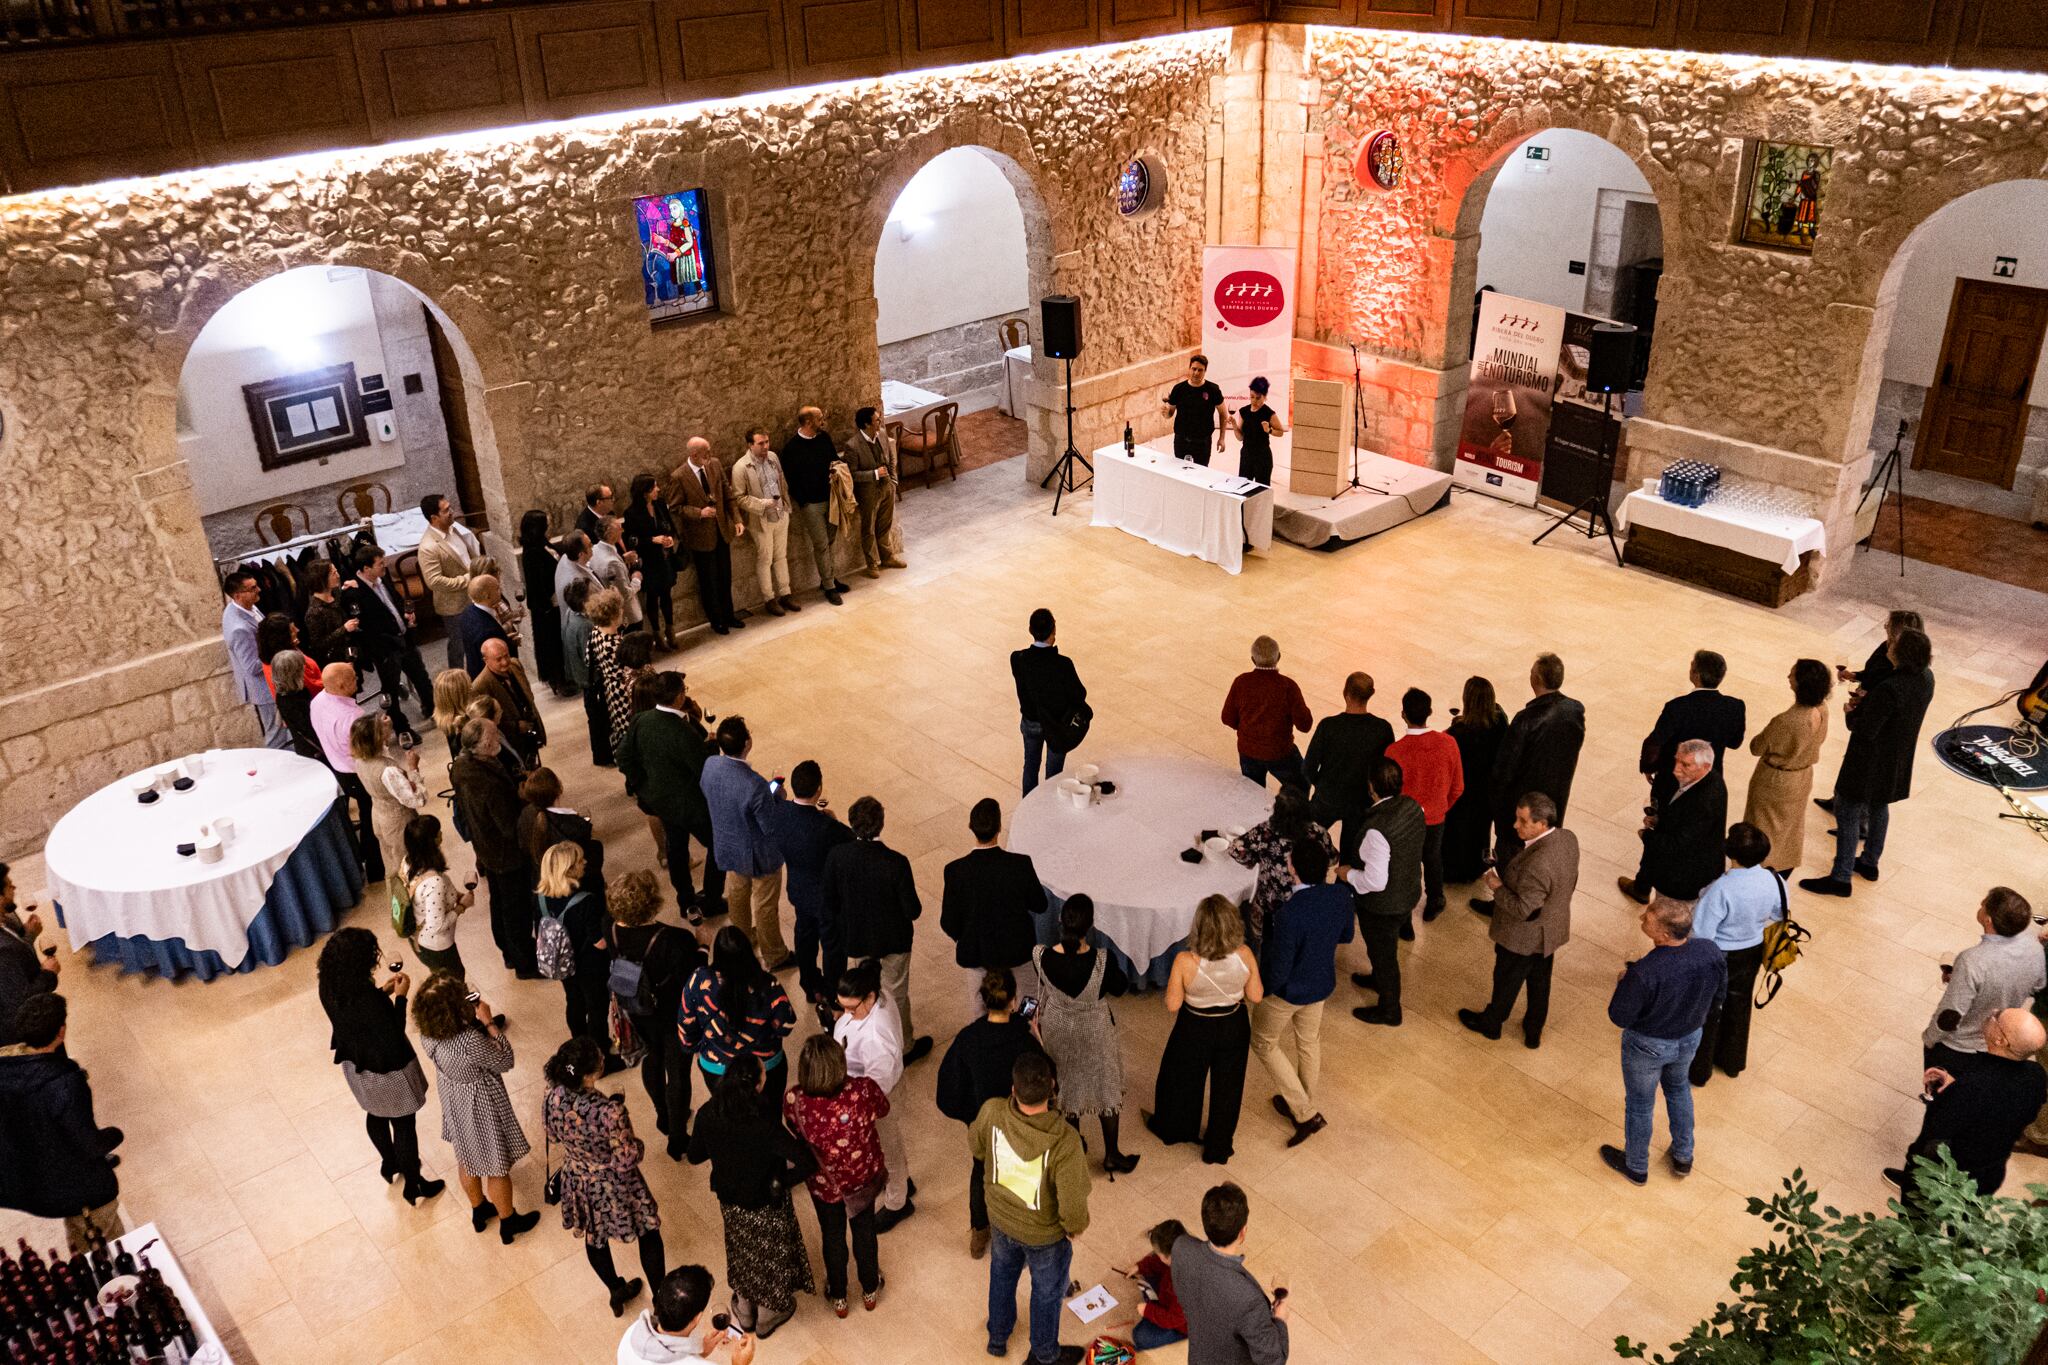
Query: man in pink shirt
x,y
334,711
1432,773
1266,707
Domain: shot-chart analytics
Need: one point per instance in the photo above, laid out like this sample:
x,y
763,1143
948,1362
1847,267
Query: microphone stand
x,y
1357,419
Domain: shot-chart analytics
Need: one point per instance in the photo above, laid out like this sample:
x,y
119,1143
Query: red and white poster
x,y
1248,320
1507,403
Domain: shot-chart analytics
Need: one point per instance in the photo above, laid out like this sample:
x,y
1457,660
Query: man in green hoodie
x,y
1036,1178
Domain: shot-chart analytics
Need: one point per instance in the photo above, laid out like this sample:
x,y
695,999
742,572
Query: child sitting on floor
x,y
1161,1321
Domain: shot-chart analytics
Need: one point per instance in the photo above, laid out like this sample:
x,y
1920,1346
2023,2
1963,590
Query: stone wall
x,y
524,245
963,362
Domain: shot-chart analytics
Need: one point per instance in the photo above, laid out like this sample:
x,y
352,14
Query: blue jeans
x,y
1859,822
1287,769
1007,1258
1147,1335
1646,1063
1034,746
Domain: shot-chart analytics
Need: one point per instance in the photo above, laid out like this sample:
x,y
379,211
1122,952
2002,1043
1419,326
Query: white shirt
x,y
874,1045
646,1344
1374,857
473,547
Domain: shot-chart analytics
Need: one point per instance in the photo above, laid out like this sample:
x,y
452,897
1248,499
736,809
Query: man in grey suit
x,y
238,622
1532,918
1230,1319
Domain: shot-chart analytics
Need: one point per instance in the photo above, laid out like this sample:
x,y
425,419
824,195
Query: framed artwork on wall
x,y
306,416
1782,196
675,256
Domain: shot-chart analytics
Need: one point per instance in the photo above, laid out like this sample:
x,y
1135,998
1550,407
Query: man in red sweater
x,y
1266,707
1432,773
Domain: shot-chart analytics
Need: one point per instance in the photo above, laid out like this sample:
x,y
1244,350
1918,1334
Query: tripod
x,y
1357,422
1890,478
1594,504
1064,470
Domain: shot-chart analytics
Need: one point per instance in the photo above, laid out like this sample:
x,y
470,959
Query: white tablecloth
x,y
907,403
1179,505
114,865
1779,540
398,532
1016,374
159,1254
1125,850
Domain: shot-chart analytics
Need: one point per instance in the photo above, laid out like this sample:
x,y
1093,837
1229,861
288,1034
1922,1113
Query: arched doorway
x,y
1567,218
1955,356
322,395
963,256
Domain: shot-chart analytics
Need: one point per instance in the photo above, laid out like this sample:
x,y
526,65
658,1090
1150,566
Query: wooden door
x,y
1976,413
469,484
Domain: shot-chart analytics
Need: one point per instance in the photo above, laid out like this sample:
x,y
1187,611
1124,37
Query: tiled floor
x,y
1963,538
1454,1211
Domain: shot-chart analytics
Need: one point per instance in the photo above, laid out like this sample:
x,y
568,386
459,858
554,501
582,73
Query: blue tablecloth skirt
x,y
1152,978
317,885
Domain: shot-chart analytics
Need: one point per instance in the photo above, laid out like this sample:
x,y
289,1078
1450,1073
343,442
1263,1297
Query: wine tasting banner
x,y
1507,405
1248,320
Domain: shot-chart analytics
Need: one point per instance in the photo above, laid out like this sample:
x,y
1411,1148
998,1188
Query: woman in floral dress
x,y
836,1117
754,1162
605,1199
1264,847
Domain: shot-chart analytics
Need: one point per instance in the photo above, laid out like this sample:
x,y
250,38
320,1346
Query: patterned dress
x,y
1079,1034
1261,847
476,1114
609,676
604,1196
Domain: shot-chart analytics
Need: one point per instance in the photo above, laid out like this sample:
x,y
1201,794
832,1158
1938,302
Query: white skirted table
x,y
907,403
1124,851
1181,506
284,875
1761,553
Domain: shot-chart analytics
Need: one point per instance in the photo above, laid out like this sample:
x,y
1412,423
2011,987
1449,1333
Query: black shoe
x,y
623,1294
918,1050
1365,981
1681,1169
1378,1015
1430,912
512,1226
1617,1160
1474,1020
781,964
1305,1130
717,629
1408,932
1895,1176
1867,871
1122,1163
839,585
885,1219
1826,886
1826,803
1532,1041
735,624
834,598
480,1217
416,1190
1480,907
526,973
1070,1355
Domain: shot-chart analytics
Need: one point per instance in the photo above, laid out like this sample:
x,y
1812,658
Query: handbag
x,y
1066,732
1783,938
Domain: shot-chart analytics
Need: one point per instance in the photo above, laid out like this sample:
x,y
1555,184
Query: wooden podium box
x,y
1320,455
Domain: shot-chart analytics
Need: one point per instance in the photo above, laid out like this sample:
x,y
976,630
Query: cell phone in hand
x,y
775,785
1027,1008
722,1323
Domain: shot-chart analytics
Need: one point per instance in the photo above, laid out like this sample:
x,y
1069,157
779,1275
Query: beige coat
x,y
1532,910
444,564
1786,751
750,486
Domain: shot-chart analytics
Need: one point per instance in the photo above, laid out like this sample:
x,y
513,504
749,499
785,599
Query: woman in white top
x,y
396,791
437,903
1214,981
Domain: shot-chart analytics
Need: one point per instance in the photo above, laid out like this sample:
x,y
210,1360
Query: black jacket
x,y
540,830
295,709
977,1065
1684,852
667,956
53,1156
1048,687
1539,753
21,976
805,836
1700,714
1884,734
369,1029
753,1158
1340,759
870,899
379,635
489,797
1981,1115
991,895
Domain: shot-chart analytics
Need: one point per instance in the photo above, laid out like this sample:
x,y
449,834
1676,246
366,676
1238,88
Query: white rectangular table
x,y
907,403
1179,505
160,1255
1774,538
1016,374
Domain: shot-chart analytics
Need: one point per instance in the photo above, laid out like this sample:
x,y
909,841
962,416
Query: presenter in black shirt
x,y
1256,426
1193,404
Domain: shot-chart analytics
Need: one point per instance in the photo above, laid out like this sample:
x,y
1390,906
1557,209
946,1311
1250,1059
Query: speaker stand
x,y
1594,505
1064,470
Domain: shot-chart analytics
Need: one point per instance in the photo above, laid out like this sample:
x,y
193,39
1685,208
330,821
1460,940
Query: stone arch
x,y
1903,233
1468,177
491,379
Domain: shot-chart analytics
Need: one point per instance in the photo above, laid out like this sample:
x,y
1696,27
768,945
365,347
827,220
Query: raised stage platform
x,y
1394,492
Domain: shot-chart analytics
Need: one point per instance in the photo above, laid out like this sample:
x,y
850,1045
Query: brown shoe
x,y
2026,1146
1627,887
872,571
977,1243
773,607
789,603
892,562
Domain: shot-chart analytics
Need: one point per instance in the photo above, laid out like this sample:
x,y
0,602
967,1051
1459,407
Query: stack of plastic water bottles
x,y
1689,483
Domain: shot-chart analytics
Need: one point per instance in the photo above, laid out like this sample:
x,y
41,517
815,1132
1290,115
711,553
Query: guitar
x,y
2033,702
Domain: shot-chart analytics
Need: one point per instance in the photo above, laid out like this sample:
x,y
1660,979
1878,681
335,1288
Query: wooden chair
x,y
410,584
358,503
274,523
1014,332
935,443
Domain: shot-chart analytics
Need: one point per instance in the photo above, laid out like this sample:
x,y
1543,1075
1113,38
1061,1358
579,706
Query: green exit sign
x,y
1537,153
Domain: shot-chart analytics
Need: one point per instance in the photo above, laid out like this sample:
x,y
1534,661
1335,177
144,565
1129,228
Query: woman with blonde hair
x,y
1214,982
578,912
467,1046
607,613
666,956
396,792
451,706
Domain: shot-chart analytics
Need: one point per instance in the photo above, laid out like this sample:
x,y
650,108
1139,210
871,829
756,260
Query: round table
x,y
1124,851
122,888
